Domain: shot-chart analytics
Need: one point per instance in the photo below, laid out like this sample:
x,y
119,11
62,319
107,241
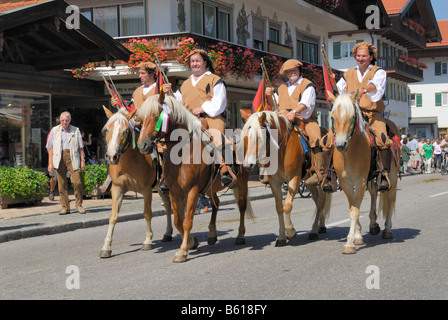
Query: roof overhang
x,y
38,37
423,120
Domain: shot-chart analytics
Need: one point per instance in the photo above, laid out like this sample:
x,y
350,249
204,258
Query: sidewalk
x,y
27,221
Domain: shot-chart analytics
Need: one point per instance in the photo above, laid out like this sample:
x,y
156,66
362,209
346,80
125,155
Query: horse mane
x,y
272,118
347,109
178,113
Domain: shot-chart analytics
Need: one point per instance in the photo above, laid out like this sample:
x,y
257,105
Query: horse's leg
x,y
325,206
212,236
293,184
147,213
241,197
168,236
389,206
188,242
313,235
354,236
276,188
374,227
117,199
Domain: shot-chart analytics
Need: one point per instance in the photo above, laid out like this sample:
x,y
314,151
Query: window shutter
x,y
438,99
336,50
438,68
419,99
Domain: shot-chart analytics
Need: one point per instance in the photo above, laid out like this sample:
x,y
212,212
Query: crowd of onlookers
x,y
422,155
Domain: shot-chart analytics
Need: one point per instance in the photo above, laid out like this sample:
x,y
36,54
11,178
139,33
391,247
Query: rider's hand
x,y
166,88
269,91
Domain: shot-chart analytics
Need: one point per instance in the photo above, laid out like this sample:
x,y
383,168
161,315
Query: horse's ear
x,y
161,97
331,96
354,96
244,115
130,115
108,112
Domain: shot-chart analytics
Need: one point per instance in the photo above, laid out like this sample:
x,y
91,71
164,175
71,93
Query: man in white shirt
x,y
297,98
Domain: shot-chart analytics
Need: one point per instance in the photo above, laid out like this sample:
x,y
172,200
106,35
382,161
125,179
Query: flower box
x,y
6,200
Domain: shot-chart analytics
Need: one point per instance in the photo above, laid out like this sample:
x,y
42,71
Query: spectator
x,y
415,156
428,148
437,155
405,155
66,153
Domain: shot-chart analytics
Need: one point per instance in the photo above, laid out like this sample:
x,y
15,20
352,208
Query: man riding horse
x,y
371,82
204,94
297,98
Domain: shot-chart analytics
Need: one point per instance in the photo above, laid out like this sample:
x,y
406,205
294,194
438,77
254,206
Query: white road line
x,y
438,194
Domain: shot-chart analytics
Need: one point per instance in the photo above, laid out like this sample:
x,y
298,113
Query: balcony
x,y
402,35
400,70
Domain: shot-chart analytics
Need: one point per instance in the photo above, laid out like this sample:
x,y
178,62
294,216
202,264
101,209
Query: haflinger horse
x,y
130,171
285,165
352,163
188,171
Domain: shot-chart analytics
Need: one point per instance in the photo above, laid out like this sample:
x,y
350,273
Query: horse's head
x,y
344,118
256,135
117,133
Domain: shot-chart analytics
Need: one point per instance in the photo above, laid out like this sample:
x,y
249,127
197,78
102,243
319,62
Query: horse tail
x,y
327,205
249,211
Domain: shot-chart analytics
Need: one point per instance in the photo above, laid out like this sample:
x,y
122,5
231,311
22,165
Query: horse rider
x,y
204,93
297,98
148,80
371,81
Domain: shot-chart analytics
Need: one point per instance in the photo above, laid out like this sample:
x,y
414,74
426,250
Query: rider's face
x,y
363,58
293,75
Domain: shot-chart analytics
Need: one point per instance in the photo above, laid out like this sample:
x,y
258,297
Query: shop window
x,y
24,126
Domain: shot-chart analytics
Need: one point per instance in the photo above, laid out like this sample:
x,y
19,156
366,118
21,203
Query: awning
x,y
37,36
423,120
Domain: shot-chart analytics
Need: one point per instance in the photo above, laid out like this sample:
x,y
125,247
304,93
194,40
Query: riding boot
x,y
319,169
162,185
386,156
329,183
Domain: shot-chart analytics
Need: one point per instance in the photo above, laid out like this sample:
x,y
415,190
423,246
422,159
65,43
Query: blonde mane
x,y
272,118
178,113
346,108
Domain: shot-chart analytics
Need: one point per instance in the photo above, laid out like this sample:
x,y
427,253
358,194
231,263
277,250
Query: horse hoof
x,y
387,235
195,243
240,241
178,258
212,241
322,230
313,236
358,241
280,243
147,246
105,253
375,230
167,238
293,237
349,250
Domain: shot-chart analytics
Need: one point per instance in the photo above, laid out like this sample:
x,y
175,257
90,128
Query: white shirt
x,y
217,104
146,89
379,81
308,98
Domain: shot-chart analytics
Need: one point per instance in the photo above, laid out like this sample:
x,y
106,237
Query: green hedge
x,y
93,176
23,182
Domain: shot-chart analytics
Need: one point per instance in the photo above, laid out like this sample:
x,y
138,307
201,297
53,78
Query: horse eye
x,y
104,131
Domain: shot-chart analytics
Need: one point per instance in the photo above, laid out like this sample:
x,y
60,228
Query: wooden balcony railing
x,y
400,70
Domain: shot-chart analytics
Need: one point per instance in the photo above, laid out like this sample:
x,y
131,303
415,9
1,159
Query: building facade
x,y
429,98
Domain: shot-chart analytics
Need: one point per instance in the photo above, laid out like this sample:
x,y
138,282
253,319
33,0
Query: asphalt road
x,y
410,266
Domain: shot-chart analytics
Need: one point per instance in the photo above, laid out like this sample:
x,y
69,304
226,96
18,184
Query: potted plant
x,y
222,58
422,66
403,58
92,177
245,64
143,50
22,185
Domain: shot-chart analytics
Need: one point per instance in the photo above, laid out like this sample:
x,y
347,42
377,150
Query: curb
x,y
72,226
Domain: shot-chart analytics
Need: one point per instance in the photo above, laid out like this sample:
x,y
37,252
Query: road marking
x,y
438,194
